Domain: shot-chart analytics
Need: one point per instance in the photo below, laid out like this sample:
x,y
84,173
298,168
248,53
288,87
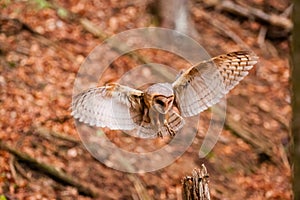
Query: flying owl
x,y
159,109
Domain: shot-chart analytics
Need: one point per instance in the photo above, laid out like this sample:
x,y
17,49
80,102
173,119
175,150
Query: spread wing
x,y
205,83
113,106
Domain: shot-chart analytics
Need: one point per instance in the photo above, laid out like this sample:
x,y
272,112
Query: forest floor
x,y
42,45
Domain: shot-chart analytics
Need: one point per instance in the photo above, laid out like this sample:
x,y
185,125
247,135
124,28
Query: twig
x,y
21,170
50,171
92,28
50,133
225,30
261,37
275,20
13,169
139,187
284,157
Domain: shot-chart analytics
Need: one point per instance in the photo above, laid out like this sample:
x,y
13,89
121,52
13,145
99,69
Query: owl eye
x,y
160,102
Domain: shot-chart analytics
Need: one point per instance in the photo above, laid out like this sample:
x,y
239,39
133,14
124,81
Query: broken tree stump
x,y
195,187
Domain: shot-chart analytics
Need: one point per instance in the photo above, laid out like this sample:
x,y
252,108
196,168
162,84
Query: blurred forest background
x,y
43,43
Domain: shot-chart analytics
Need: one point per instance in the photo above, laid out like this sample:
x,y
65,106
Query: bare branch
x,y
49,170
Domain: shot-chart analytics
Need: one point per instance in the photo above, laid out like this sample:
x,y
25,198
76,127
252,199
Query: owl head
x,y
160,97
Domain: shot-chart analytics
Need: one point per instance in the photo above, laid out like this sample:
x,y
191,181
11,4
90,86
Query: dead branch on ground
x,y
50,171
137,182
221,27
46,133
280,21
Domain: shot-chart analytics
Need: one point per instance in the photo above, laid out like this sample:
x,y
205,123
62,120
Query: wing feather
x,y
109,106
205,83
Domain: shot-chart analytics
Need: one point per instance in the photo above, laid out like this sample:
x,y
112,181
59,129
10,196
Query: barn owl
x,y
160,109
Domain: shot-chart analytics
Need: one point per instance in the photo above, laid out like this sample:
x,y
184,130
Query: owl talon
x,y
159,134
170,130
172,133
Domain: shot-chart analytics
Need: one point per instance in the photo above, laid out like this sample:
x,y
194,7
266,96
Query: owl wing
x,y
205,83
113,106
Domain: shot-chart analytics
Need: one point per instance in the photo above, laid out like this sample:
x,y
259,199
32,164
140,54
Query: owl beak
x,y
168,105
166,109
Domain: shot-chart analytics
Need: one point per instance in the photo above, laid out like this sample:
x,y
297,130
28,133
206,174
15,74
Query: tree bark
x,y
195,187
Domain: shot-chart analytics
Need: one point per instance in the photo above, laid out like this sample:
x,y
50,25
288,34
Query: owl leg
x,y
169,129
163,129
160,130
159,134
173,123
146,117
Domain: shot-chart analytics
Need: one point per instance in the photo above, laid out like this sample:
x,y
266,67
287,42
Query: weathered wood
x,y
195,187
